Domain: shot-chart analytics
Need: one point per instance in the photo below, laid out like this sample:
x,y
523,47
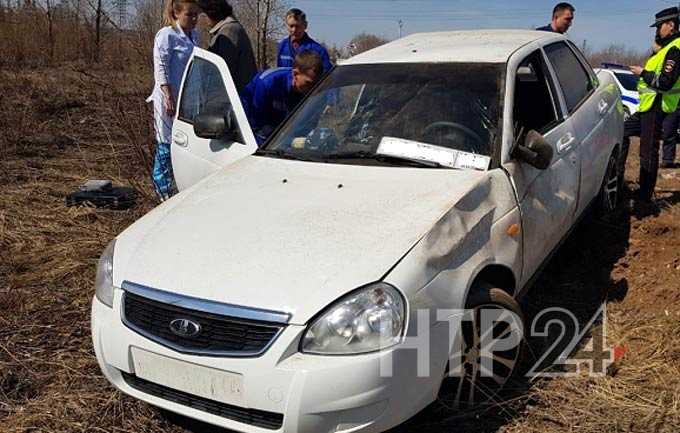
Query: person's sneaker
x,y
670,165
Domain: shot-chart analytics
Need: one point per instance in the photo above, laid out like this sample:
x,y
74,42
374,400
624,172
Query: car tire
x,y
609,198
472,388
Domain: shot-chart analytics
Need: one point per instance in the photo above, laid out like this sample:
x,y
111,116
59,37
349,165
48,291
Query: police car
x,y
627,82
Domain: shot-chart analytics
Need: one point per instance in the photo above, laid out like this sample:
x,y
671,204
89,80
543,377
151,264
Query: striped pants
x,y
163,178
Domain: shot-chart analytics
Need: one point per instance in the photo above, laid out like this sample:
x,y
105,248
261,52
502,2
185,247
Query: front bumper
x,y
314,394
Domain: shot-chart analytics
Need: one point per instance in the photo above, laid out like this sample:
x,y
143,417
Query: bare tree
x,y
263,20
49,13
616,53
148,19
364,42
335,53
98,30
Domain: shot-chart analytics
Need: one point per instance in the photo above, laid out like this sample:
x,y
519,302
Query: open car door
x,y
210,130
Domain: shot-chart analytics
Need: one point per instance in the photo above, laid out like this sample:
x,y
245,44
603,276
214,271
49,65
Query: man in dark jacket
x,y
229,40
562,19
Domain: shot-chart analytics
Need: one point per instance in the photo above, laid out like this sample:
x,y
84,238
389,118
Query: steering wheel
x,y
476,143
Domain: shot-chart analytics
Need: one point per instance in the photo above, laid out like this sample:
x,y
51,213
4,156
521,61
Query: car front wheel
x,y
475,375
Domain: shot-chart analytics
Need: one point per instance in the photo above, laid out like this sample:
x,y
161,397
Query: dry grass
x,y
640,394
65,126
62,131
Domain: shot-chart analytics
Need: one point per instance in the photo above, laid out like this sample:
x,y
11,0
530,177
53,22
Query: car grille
x,y
254,417
218,336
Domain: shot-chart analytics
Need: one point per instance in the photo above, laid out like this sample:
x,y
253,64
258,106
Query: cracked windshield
x,y
397,114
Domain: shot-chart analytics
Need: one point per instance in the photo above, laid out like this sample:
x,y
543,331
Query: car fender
x,y
481,229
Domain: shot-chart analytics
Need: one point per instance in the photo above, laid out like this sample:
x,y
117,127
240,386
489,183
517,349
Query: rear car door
x,y
207,88
587,106
547,198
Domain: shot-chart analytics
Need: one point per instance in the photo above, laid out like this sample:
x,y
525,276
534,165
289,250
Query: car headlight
x,y
104,282
367,320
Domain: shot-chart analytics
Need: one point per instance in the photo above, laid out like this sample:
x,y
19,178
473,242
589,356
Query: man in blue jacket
x,y
273,94
298,40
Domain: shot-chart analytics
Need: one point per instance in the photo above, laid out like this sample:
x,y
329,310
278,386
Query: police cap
x,y
666,15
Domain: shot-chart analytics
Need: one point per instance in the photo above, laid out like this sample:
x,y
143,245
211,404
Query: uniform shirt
x,y
172,49
229,40
286,54
268,99
670,71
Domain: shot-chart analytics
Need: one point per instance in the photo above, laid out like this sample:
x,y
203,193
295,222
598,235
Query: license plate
x,y
193,379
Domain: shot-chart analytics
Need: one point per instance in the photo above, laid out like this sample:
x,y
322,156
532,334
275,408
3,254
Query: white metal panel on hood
x,y
288,235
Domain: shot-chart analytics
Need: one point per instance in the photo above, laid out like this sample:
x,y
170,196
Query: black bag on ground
x,y
103,194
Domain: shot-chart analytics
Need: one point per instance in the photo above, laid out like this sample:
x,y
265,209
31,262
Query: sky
x,y
599,22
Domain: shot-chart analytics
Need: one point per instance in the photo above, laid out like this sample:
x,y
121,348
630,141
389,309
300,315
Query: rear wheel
x,y
482,374
626,113
609,197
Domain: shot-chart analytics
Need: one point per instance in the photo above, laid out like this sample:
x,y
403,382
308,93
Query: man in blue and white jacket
x,y
298,41
273,94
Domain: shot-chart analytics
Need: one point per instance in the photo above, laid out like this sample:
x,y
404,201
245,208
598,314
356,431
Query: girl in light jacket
x,y
172,49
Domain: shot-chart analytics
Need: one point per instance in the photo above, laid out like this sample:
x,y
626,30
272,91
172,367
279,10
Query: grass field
x,y
65,125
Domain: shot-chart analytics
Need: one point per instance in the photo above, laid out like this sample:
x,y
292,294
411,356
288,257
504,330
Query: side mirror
x,y
535,151
214,126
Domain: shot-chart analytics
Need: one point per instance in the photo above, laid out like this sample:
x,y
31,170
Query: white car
x,y
283,288
627,82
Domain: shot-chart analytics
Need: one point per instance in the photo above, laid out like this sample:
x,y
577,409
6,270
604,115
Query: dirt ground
x,y
64,126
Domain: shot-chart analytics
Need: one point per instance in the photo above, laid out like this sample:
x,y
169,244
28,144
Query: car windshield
x,y
628,81
442,115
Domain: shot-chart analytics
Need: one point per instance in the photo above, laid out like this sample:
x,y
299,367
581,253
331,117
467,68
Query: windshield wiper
x,y
364,154
280,153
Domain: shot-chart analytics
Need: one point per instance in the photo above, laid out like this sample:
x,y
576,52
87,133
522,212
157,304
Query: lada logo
x,y
185,328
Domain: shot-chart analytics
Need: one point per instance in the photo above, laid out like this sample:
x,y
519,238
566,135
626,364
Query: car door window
x,y
574,79
203,92
535,106
208,91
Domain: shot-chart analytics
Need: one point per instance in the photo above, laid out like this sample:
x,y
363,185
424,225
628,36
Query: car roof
x,y
473,46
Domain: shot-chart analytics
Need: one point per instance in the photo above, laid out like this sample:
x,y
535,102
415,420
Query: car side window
x,y
583,60
203,92
574,80
535,106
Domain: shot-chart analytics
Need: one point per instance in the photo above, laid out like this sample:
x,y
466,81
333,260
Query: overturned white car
x,y
435,173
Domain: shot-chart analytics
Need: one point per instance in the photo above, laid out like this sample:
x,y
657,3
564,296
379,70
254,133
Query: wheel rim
x,y
611,186
475,386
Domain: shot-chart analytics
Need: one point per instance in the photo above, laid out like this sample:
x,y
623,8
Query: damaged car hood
x,y
287,236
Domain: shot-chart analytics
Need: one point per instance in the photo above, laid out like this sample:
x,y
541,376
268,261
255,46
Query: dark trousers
x,y
670,136
648,127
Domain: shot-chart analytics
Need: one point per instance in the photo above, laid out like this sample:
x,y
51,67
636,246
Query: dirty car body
x,y
394,188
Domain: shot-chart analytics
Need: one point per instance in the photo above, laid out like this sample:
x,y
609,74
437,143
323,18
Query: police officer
x,y
298,40
273,94
659,90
